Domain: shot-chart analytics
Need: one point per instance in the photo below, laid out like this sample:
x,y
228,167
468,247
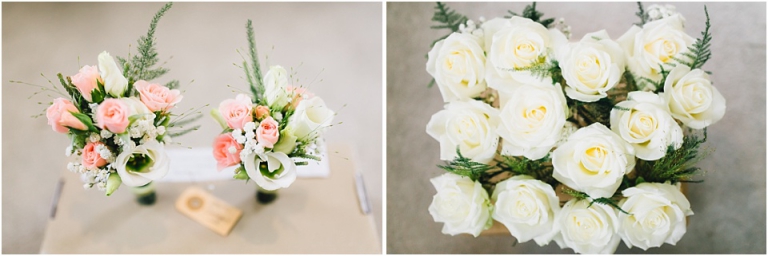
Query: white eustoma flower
x,y
275,87
587,229
593,160
692,99
527,207
458,66
468,125
274,172
592,66
644,121
461,204
114,82
310,119
654,45
149,162
658,215
532,119
517,43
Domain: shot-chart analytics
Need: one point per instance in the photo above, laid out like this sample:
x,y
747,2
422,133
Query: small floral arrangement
x,y
267,134
585,143
117,120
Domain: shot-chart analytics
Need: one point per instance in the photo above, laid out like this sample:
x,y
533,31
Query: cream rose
x,y
517,43
276,86
458,66
592,66
275,172
692,99
468,125
644,121
527,207
587,230
653,45
532,119
593,160
142,164
114,82
310,119
461,204
658,215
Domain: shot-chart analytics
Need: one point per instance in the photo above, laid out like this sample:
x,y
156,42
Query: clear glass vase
x,y
145,195
264,196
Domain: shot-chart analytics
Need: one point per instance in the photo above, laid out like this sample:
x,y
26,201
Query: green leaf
x,y
85,119
241,174
97,96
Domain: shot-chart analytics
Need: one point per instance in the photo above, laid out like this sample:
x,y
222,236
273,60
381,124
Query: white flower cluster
x,y
531,119
247,138
472,28
97,177
145,129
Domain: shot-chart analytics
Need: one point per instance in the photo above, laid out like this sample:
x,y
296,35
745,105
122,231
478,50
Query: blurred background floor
x,y
729,206
341,42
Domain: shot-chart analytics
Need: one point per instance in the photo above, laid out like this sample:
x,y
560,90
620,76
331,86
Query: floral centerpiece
x,y
268,133
585,143
118,121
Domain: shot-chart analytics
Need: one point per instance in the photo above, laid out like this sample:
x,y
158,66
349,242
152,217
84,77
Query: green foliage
x,y
539,169
641,14
448,19
184,131
140,66
465,167
699,52
253,74
85,119
530,12
592,112
173,84
676,165
74,93
602,200
241,174
542,69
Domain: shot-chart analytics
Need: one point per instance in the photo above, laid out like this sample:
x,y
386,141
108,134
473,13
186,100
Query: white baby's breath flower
x,y
69,150
71,167
101,186
94,137
657,12
106,134
249,126
87,185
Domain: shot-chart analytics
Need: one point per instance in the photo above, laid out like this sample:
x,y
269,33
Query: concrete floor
x,y
341,41
729,206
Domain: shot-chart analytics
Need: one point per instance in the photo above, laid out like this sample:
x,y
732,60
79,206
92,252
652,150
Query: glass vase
x,y
264,196
145,195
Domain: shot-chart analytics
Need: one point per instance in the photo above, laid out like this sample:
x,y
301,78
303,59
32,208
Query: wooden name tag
x,y
208,210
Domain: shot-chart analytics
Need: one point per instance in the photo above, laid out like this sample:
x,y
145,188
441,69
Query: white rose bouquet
x,y
267,134
586,143
118,121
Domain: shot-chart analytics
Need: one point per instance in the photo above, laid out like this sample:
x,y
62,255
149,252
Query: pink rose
x,y
60,118
222,146
261,112
267,133
157,97
85,81
299,94
92,159
236,112
112,115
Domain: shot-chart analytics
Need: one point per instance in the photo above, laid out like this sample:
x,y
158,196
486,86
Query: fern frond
x,y
465,167
699,52
173,84
530,12
447,19
677,164
257,86
146,57
641,14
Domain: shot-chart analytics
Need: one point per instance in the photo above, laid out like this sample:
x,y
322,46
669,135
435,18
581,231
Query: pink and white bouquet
x,y
267,134
119,121
585,143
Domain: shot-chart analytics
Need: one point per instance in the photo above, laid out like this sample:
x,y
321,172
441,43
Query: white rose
x,y
644,121
275,87
277,171
658,215
692,99
647,48
587,230
468,125
461,204
532,119
593,160
142,164
517,43
592,66
114,82
310,119
458,66
527,207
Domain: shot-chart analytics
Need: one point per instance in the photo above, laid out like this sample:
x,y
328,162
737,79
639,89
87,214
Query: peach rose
x,y
86,81
261,112
92,159
112,115
267,133
60,118
299,94
157,97
237,111
222,146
